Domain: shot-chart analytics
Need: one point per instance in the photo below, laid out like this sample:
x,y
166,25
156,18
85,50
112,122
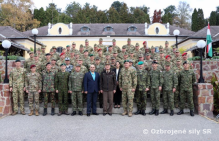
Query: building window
x,y
157,30
132,28
59,49
60,30
108,29
85,29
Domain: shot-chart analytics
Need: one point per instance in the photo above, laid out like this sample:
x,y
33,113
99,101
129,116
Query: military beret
x,y
110,46
62,54
47,54
99,50
152,47
123,47
114,40
78,65
144,42
166,42
137,44
53,47
91,55
126,61
140,55
67,46
107,63
73,43
129,39
161,47
167,64
32,66
140,63
31,52
112,58
97,58
67,59
86,40
81,46
95,45
154,62
53,59
63,64
185,53
85,51
38,49
101,39
48,63
167,56
17,60
185,62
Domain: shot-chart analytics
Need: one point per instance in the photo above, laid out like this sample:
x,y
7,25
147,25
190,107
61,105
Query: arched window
x,y
85,29
108,28
60,30
132,28
157,30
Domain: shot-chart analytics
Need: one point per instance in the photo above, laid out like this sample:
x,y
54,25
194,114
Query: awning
x,y
192,48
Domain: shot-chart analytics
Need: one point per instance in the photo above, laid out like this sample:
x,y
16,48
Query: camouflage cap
x,y
124,47
177,50
97,58
107,53
140,55
112,58
53,59
166,42
78,65
126,53
43,47
137,45
107,63
38,49
35,55
73,43
53,47
101,39
31,52
80,58
167,64
95,45
178,60
129,39
174,47
152,47
81,46
161,52
131,61
161,47
148,54
86,40
85,50
115,52
114,40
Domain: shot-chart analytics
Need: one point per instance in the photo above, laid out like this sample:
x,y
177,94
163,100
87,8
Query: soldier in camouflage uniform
x,y
86,58
73,48
38,64
62,59
17,86
121,54
95,51
170,82
101,56
132,57
68,51
43,53
178,68
47,60
54,67
143,84
29,62
184,58
100,45
33,85
129,46
153,53
144,47
81,50
127,84
61,87
115,55
168,59
87,47
115,47
177,56
137,51
156,81
113,63
75,85
55,54
186,81
161,60
91,60
48,81
83,68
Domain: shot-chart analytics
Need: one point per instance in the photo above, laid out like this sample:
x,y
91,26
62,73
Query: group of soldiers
x,y
144,70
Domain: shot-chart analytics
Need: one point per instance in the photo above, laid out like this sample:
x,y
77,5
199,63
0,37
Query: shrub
x,y
215,84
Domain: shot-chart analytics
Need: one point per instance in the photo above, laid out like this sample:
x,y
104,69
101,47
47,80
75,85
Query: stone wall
x,y
5,100
204,99
11,64
209,68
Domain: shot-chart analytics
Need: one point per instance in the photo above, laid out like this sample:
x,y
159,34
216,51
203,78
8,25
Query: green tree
x,y
40,15
213,18
72,9
117,5
124,13
101,16
195,20
167,18
200,19
113,15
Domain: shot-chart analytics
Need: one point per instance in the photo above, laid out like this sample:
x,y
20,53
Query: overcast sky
x,y
206,5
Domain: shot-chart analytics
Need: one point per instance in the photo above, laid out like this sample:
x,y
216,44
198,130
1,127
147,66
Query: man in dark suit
x,y
91,88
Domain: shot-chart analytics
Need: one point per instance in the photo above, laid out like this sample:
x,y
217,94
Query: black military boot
x,y
80,113
192,113
74,113
180,112
53,112
171,113
164,111
101,105
138,112
143,113
156,112
45,112
152,112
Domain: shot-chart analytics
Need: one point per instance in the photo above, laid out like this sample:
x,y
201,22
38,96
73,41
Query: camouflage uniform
x,y
56,56
28,63
17,82
59,62
142,83
61,84
127,81
48,79
75,84
129,48
170,82
156,80
33,83
186,81
55,68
